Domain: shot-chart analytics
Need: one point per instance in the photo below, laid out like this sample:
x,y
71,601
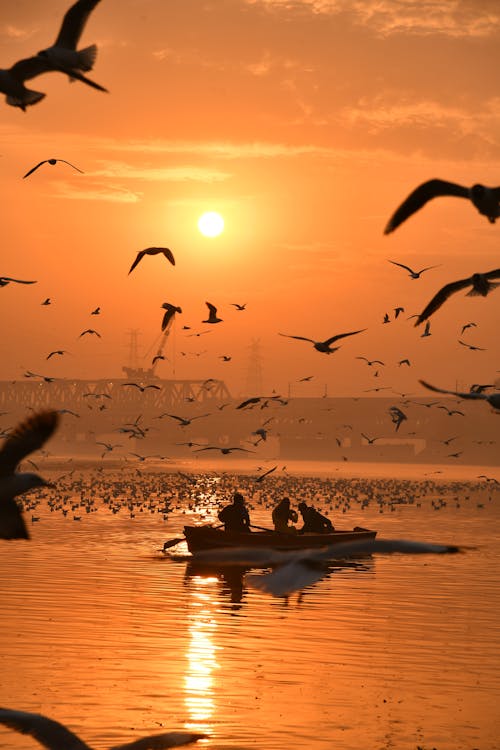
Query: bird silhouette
x,y
481,286
63,51
413,274
485,199
91,332
212,314
5,280
324,346
55,736
27,437
492,398
52,162
170,311
165,251
224,451
472,347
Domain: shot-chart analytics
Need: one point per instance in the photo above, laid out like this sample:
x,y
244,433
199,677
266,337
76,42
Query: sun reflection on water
x,y
201,656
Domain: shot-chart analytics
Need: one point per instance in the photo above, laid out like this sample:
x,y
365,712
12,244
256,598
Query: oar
x,y
261,528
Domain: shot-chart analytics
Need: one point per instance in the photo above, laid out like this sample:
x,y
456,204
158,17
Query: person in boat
x,y
235,517
314,521
282,514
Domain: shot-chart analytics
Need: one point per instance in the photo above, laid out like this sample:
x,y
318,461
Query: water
x,y
104,633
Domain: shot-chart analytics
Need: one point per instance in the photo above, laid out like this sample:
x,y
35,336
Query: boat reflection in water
x,y
201,657
234,582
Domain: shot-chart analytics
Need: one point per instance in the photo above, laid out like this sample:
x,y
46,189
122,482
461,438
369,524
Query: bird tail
x,y
29,97
490,285
87,57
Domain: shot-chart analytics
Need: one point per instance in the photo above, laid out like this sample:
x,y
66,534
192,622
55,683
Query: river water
x,y
103,632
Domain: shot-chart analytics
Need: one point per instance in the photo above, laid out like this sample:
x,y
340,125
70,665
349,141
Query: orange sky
x,y
305,123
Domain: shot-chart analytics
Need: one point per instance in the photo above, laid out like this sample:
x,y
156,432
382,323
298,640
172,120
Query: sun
x,y
211,224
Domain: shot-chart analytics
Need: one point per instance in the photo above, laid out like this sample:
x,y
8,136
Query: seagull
x,y
26,438
404,362
413,274
63,52
142,388
466,326
97,311
212,316
4,280
397,416
52,162
485,199
58,351
90,331
398,310
370,440
324,346
55,736
165,251
266,473
371,362
239,307
481,286
472,347
451,412
492,398
156,358
184,421
170,311
427,330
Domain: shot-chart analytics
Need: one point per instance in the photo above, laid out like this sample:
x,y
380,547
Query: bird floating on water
x,y
485,199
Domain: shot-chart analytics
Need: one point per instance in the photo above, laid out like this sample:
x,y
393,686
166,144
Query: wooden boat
x,y
207,537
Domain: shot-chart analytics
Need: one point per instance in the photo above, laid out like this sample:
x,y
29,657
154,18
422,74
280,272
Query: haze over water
x,y
103,632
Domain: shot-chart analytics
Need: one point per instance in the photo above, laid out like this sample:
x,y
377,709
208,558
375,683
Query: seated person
x,y
235,517
282,514
314,521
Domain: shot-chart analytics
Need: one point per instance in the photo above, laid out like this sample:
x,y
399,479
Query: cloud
x,y
14,32
455,18
162,174
109,193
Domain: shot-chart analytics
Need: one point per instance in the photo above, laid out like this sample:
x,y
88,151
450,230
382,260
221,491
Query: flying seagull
x,y
413,274
324,346
4,280
212,314
485,199
481,286
153,251
142,388
63,51
26,438
238,306
51,162
55,736
91,331
58,351
224,451
492,398
170,311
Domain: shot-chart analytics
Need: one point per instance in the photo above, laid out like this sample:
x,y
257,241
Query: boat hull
x,y
207,537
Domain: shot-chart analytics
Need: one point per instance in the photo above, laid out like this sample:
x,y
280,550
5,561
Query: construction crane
x,y
147,374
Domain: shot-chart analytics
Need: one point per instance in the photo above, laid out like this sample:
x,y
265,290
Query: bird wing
x,y
401,265
47,732
16,281
33,169
28,436
71,165
341,336
30,67
212,309
269,471
440,298
140,256
254,400
492,274
420,196
168,255
428,268
453,393
179,419
12,524
300,338
160,741
73,23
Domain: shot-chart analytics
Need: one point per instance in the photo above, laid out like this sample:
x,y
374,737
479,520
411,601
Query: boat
x,y
209,537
